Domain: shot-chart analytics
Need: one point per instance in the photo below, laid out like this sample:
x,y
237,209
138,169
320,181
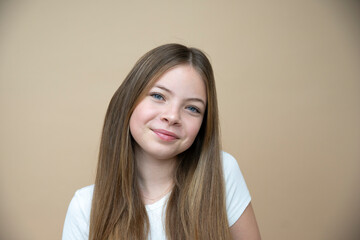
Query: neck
x,y
155,176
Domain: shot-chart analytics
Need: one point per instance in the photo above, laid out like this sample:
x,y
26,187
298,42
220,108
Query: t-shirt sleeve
x,y
237,193
76,225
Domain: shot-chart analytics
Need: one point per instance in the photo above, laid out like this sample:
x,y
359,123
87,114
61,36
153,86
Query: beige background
x,y
288,78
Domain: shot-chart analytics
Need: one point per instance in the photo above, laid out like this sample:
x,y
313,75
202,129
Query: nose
x,y
171,115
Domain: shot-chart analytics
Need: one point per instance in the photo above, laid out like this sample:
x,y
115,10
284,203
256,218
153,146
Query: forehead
x,y
183,79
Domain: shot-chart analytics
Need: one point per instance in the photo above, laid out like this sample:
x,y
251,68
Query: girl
x,y
161,173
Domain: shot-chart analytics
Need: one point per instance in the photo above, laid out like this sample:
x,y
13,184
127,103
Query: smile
x,y
165,135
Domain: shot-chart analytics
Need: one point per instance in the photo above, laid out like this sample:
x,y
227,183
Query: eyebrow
x,y
188,99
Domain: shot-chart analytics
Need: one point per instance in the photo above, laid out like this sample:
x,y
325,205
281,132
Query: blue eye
x,y
193,109
157,96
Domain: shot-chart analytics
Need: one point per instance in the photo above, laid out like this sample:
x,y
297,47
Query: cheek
x,y
139,114
140,118
133,126
194,129
135,120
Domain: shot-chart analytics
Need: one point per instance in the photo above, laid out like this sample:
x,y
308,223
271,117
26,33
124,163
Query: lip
x,y
165,135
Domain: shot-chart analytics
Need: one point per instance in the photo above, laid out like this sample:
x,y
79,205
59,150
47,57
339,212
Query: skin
x,y
176,104
246,228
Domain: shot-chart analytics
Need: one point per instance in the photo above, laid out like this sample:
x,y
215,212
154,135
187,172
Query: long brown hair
x,y
196,207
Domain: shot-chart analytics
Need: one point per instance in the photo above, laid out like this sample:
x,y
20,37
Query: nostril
x,y
171,119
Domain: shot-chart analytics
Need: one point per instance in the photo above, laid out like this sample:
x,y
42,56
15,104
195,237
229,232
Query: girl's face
x,y
167,120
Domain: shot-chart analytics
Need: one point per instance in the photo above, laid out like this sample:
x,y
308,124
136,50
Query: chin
x,y
164,156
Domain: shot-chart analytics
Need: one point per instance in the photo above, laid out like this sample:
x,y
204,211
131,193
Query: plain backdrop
x,y
288,81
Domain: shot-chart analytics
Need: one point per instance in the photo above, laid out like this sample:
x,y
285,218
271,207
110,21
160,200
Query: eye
x,y
193,109
157,96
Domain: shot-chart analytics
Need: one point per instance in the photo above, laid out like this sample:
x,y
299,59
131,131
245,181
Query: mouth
x,y
165,135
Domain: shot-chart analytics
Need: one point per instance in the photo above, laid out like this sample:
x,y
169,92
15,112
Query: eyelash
x,y
160,97
193,109
157,96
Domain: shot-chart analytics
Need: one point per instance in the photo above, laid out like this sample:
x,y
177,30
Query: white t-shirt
x,y
76,226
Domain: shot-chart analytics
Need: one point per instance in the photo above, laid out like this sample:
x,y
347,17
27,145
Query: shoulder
x,y
230,166
237,193
77,219
228,161
231,169
85,193
83,199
